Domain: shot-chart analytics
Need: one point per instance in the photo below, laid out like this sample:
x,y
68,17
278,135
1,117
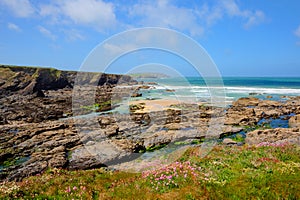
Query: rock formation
x,y
39,130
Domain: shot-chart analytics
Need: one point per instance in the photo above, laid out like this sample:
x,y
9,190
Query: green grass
x,y
247,172
157,147
238,138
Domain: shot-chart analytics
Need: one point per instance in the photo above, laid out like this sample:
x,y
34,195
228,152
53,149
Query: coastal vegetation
x,y
264,171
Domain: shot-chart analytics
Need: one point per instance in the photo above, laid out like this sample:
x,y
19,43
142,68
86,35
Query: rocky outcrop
x,y
29,80
294,121
29,94
136,94
249,111
246,102
40,145
32,100
32,138
85,143
278,135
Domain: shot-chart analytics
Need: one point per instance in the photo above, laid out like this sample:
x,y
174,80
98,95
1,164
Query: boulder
x,y
173,126
294,121
170,90
228,141
98,155
136,94
230,130
269,103
247,101
28,170
158,138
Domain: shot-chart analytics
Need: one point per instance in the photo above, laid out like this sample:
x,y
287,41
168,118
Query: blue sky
x,y
243,37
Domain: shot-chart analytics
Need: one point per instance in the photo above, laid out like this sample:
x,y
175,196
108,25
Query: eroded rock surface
x,y
294,121
34,137
278,135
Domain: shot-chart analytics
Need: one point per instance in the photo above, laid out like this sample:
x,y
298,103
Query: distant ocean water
x,y
196,90
234,87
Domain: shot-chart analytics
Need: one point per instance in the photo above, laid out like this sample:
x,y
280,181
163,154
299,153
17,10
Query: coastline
x,y
148,124
138,130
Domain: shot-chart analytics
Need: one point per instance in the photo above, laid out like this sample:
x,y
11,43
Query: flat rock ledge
x,y
277,136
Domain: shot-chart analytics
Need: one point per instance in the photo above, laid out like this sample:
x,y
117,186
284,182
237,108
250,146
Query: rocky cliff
x,y
31,94
30,80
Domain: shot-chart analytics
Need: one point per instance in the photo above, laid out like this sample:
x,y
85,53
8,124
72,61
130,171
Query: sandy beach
x,y
158,104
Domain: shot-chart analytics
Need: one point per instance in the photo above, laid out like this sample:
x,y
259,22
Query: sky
x,y
243,37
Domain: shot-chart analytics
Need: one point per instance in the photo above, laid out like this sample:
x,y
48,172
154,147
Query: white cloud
x,y
297,31
73,35
210,15
252,17
52,11
114,49
20,8
96,13
102,15
231,8
46,32
13,27
163,13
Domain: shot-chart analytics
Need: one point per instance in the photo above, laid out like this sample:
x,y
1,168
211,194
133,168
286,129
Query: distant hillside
x,y
149,75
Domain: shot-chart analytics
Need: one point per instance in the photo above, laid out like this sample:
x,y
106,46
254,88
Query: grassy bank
x,y
262,172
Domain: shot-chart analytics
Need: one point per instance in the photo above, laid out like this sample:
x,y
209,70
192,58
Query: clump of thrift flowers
x,y
272,144
171,176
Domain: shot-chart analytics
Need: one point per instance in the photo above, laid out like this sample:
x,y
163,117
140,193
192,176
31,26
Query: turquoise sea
x,y
200,89
221,91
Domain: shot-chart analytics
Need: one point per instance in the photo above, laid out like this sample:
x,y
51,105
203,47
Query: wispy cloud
x,y
46,32
20,8
73,35
252,18
297,31
104,16
163,13
13,27
255,18
94,13
195,20
113,49
229,8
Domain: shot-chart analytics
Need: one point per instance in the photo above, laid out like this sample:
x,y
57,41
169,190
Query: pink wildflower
x,y
68,189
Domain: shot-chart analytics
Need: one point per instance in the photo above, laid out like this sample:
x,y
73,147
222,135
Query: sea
x,y
219,91
230,88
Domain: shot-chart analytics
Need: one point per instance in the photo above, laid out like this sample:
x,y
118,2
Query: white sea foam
x,y
204,89
262,90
